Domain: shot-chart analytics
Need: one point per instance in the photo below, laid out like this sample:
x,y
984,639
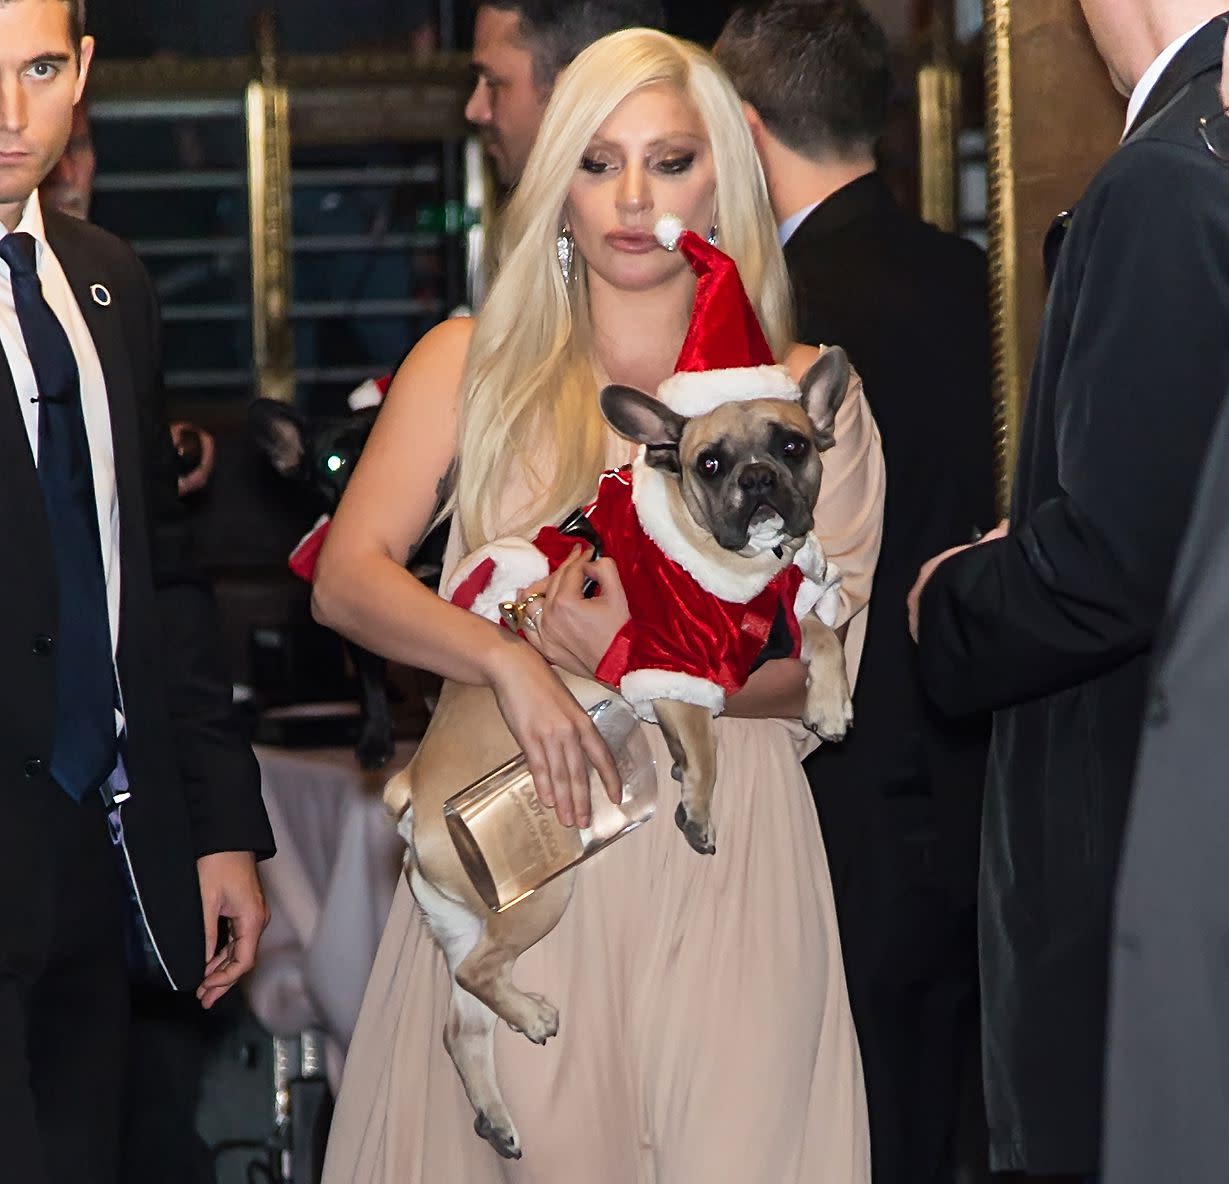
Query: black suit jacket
x,y
1054,625
908,304
195,783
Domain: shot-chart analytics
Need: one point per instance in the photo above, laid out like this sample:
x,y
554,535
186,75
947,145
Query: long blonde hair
x,y
529,377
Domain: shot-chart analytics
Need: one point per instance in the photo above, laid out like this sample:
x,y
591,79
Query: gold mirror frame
x,y
1052,118
342,99
1003,260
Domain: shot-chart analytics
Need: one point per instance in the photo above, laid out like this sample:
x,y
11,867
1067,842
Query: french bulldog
x,y
733,491
320,454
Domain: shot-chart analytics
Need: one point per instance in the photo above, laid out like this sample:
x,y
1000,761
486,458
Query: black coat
x,y
195,783
909,305
1054,626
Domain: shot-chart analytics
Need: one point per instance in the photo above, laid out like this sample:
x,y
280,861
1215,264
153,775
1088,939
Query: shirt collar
x,y
32,224
786,230
1152,75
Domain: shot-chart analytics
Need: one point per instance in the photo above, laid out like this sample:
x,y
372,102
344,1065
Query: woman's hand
x,y
559,740
566,629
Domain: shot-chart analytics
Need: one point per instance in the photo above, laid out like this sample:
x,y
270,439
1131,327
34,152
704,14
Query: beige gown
x,y
705,1033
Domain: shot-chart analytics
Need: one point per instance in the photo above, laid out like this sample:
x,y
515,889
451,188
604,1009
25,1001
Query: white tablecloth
x,y
329,889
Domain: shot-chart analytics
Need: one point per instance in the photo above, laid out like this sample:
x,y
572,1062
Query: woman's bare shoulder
x,y
445,345
433,368
800,358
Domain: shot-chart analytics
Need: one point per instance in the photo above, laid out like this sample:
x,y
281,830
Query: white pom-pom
x,y
668,230
365,396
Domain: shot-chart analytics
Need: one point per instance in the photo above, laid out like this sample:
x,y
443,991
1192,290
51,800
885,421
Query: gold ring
x,y
513,611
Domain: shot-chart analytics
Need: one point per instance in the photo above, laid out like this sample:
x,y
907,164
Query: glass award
x,y
510,844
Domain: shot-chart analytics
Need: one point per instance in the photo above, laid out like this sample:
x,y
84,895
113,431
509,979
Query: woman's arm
x,y
849,512
777,690
363,591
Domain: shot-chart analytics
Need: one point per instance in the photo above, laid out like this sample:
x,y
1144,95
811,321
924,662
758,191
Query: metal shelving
x,y
305,219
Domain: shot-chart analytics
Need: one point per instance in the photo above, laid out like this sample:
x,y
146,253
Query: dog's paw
x,y
500,1134
540,1021
828,713
700,835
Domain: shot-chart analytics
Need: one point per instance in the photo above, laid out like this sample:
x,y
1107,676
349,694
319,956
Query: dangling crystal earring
x,y
713,236
564,246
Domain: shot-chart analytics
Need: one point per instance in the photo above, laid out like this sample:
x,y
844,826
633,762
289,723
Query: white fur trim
x,y
697,392
518,563
728,576
669,230
641,687
367,395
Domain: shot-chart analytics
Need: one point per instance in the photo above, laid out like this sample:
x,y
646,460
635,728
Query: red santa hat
x,y
307,551
725,356
369,394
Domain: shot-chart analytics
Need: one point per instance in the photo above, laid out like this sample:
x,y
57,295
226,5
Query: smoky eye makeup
x,y
676,163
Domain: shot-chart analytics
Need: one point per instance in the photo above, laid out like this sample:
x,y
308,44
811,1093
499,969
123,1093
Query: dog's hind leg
x,y
486,970
375,740
469,1031
480,952
469,1037
688,732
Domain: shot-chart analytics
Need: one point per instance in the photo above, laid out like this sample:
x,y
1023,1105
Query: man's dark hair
x,y
76,19
555,31
817,71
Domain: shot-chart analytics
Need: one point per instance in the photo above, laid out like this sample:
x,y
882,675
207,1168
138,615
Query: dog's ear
x,y
280,432
823,391
648,421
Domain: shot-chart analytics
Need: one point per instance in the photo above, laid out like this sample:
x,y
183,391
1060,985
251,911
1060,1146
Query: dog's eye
x,y
795,448
708,465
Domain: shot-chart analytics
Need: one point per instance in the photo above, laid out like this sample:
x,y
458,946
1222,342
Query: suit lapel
x,y
1202,52
21,498
96,294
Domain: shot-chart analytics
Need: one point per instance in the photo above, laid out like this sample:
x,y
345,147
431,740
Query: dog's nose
x,y
757,479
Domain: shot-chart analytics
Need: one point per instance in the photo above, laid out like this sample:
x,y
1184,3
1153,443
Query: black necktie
x,y
84,750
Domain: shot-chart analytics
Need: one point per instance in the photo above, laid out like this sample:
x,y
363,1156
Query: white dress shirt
x,y
1152,75
786,230
94,402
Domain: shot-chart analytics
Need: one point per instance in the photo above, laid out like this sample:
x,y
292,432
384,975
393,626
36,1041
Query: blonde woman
x,y
706,1033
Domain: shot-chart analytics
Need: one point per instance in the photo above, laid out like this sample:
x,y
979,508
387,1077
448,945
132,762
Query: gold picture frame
x,y
1052,118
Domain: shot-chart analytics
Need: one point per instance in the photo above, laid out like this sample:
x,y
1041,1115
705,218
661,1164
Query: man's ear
x,y
754,122
823,391
646,420
84,57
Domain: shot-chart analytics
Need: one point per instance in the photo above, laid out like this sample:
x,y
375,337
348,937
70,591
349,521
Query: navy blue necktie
x,y
84,750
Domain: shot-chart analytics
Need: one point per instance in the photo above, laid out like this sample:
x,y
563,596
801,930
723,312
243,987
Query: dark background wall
x,y
139,28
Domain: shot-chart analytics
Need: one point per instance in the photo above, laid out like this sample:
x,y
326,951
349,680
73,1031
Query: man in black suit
x,y
1053,626
899,799
132,812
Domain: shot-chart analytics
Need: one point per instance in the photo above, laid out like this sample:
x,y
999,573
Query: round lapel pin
x,y
102,296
